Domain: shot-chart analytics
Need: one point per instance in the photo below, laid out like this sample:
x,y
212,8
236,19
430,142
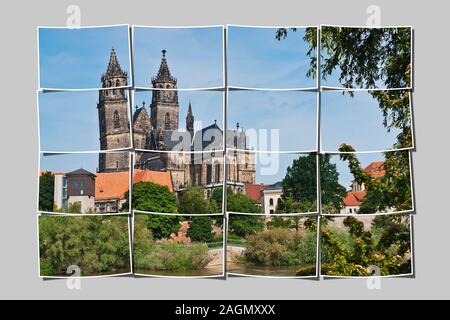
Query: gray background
x,y
19,158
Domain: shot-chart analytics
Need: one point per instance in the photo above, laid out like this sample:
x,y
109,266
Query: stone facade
x,y
159,132
113,117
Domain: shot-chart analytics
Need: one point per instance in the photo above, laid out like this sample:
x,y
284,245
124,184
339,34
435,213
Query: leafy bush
x,y
279,247
200,229
162,255
97,245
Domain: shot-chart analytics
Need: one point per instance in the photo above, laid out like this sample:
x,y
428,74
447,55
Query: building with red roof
x,y
354,198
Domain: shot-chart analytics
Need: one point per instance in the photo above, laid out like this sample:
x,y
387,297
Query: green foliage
x,y
74,207
281,247
192,201
200,229
162,226
300,185
46,191
393,190
353,254
152,197
236,201
244,225
151,255
98,245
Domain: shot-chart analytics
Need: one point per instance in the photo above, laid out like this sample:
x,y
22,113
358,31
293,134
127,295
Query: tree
x,y
46,191
239,225
163,226
245,225
300,185
390,253
363,57
200,229
152,197
98,245
192,201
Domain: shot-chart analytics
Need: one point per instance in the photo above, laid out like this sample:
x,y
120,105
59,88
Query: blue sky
x,y
357,121
70,162
256,59
76,58
69,121
293,113
194,55
272,167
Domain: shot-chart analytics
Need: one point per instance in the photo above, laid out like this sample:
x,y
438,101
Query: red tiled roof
x,y
253,191
114,185
161,178
376,169
354,198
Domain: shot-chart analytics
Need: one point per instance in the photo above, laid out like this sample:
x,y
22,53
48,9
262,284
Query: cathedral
x,y
193,157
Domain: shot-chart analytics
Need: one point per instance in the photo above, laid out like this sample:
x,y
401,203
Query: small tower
x,y
113,117
164,107
190,121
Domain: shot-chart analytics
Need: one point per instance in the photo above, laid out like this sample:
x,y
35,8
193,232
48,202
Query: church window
x,y
217,171
167,121
109,84
271,201
208,173
117,83
116,119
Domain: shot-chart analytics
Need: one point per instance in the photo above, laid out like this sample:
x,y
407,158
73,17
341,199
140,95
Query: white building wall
x,y
58,191
267,195
87,202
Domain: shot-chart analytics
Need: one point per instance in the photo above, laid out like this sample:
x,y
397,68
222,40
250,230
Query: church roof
x,y
205,140
79,172
114,69
138,112
163,74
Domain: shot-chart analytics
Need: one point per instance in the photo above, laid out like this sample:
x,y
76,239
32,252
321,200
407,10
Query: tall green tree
x,y
239,225
193,201
364,58
163,226
200,229
300,184
46,191
152,197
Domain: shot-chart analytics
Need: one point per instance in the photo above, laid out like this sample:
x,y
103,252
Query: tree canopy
x,y
98,245
152,197
46,191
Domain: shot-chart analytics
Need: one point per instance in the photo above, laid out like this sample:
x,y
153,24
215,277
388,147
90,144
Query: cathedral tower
x,y
164,107
113,117
190,121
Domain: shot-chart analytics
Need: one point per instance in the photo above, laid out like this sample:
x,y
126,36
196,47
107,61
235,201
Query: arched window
x,y
208,173
116,119
217,172
167,121
109,84
271,201
117,83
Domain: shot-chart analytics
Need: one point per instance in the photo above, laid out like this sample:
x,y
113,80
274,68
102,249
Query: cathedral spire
x,y
114,69
190,120
163,74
